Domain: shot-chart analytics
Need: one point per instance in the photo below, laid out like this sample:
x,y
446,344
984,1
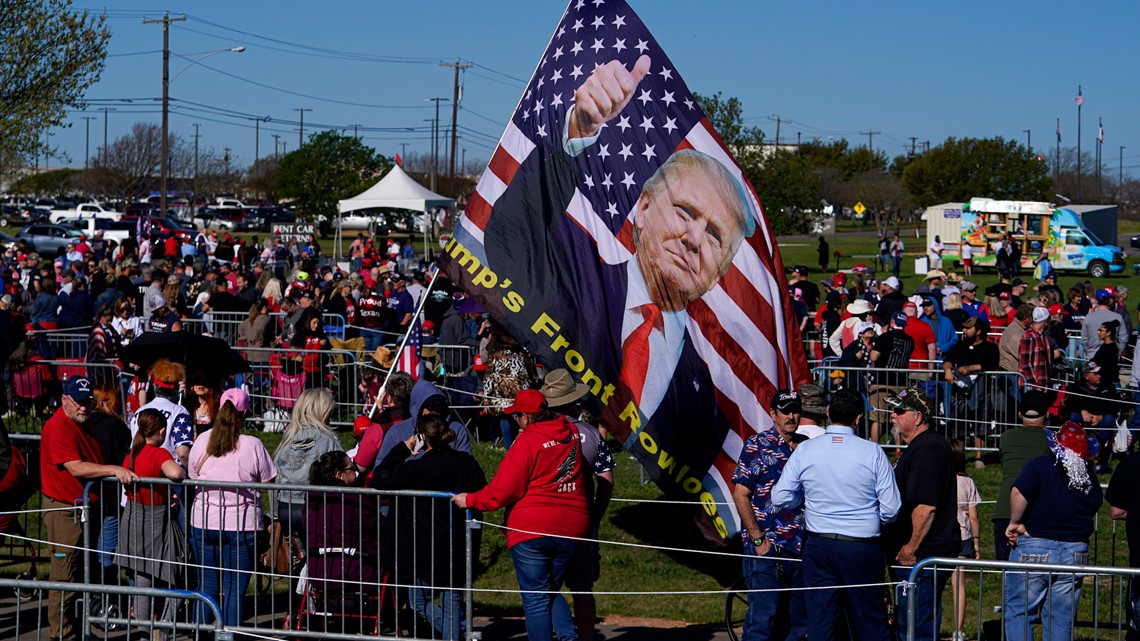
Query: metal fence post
x,y
469,615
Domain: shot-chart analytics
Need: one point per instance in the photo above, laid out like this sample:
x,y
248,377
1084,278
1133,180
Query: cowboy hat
x,y
858,307
559,388
383,356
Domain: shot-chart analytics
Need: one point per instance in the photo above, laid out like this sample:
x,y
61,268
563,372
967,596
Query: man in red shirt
x,y
924,342
70,456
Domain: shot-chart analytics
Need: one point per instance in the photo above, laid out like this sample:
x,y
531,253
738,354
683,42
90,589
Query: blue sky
x,y
834,69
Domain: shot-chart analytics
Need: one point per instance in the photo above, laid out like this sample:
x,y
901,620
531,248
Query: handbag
x,y
277,558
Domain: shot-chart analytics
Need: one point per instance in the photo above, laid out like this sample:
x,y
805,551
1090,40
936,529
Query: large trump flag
x,y
613,234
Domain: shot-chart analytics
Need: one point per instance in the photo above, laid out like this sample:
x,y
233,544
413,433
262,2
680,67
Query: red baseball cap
x,y
479,365
840,279
361,424
528,401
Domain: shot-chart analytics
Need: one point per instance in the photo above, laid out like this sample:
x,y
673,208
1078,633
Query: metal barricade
x,y
1062,596
279,375
224,325
27,620
61,343
33,388
975,411
355,555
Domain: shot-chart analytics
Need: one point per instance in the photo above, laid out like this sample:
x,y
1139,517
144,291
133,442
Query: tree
x,y
958,170
50,55
788,189
883,196
130,166
330,167
47,183
261,178
783,180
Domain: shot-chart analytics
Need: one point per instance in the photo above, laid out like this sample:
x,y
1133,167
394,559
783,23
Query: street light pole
x,y
87,144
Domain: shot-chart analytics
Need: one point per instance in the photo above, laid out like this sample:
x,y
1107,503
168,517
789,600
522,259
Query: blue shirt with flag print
x,y
761,463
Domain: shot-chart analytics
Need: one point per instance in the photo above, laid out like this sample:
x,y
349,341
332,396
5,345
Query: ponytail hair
x,y
150,422
434,430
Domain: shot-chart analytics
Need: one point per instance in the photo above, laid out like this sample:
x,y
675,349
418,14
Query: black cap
x,y
786,401
1035,404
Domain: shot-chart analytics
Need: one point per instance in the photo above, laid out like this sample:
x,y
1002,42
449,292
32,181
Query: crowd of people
x,y
875,337
820,505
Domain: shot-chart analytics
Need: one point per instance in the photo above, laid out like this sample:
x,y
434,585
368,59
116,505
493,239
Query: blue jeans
x,y
896,266
507,430
927,593
217,549
540,566
108,541
372,339
1054,595
446,617
776,616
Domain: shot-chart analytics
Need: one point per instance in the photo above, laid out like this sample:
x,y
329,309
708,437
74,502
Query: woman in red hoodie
x,y
540,483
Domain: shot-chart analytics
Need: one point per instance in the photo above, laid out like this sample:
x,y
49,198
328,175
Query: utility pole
x,y
913,142
777,120
1028,140
1080,103
403,151
257,136
870,139
926,146
87,145
457,66
355,131
301,134
105,110
196,125
435,144
164,166
463,164
799,139
1057,165
276,145
1121,179
226,157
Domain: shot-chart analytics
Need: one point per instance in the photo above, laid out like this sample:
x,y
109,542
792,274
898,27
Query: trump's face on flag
x,y
690,220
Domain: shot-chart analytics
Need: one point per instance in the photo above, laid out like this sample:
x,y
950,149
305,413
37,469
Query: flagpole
x,y
1080,103
1057,165
404,341
1099,143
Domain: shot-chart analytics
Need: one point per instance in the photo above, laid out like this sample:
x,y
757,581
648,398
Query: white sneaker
x,y
959,636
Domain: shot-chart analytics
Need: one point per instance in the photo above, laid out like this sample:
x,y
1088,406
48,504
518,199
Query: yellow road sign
x,y
859,208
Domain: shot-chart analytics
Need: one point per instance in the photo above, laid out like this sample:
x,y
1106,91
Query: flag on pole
x,y
399,161
565,242
1058,130
410,356
1100,133
1080,97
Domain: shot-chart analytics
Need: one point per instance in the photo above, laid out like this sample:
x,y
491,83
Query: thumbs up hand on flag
x,y
604,94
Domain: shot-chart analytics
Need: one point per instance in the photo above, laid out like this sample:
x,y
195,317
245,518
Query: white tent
x,y
396,189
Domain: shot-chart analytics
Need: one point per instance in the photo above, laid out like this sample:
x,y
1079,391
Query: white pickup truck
x,y
86,210
113,230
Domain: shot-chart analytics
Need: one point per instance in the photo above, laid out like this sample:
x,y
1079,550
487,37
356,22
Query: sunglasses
x,y
899,411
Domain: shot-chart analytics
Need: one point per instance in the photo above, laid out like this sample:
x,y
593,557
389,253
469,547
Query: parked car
x,y
11,215
162,226
1136,242
210,220
46,239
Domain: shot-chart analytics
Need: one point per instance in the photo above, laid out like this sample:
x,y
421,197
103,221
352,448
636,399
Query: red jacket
x,y
540,482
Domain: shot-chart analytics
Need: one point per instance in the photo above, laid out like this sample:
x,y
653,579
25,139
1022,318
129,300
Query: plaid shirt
x,y
1035,357
761,463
